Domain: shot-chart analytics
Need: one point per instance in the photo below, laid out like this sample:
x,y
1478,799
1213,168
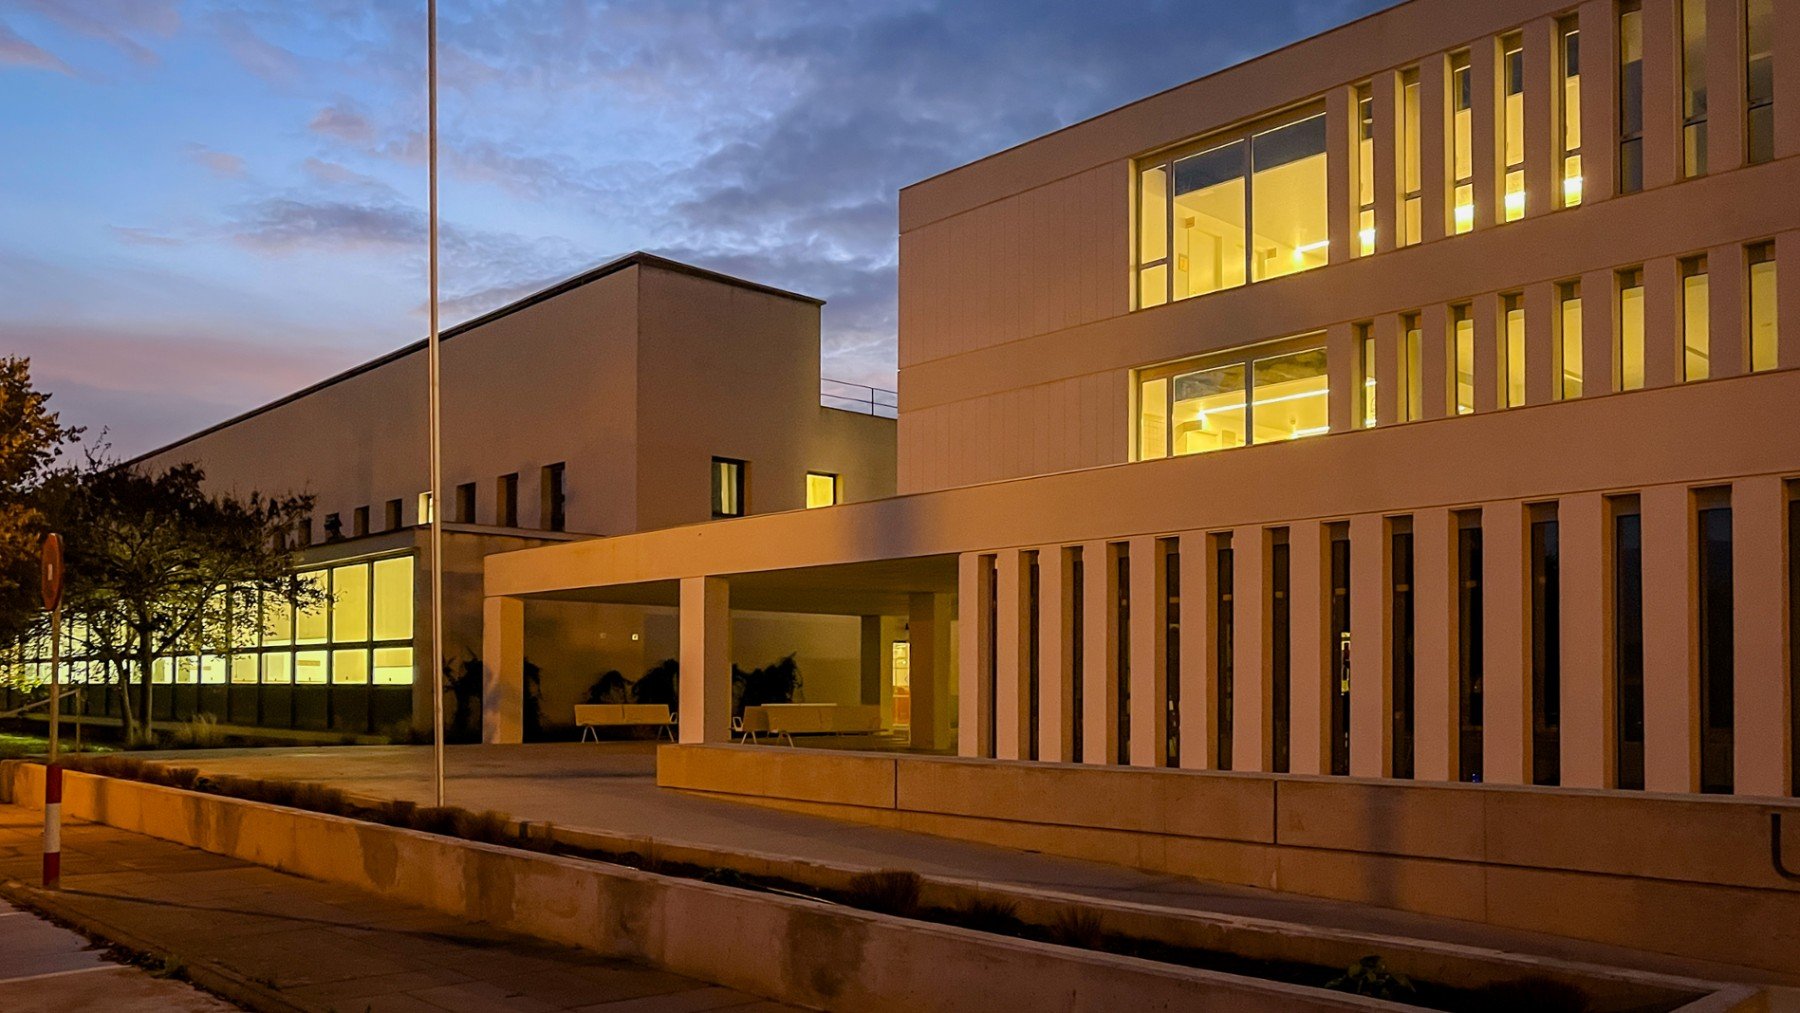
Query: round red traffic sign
x,y
52,571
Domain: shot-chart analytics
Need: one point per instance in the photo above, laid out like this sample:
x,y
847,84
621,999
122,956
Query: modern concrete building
x,y
1409,402
642,394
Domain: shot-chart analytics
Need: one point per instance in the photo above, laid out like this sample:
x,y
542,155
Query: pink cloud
x,y
20,52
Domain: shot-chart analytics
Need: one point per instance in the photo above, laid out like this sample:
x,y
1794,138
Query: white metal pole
x,y
436,426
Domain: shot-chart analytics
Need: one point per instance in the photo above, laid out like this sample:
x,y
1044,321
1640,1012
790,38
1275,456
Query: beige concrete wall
x,y
1685,876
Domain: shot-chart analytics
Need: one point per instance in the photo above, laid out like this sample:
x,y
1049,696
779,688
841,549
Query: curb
x,y
204,973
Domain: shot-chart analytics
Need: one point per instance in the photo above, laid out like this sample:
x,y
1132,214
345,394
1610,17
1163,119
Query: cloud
x,y
284,224
127,25
342,121
19,52
220,163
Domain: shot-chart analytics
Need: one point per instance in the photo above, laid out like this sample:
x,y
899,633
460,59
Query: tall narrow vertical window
x,y
1340,649
1366,346
1631,97
1288,213
1209,203
1628,353
506,500
1462,359
1628,642
555,497
1764,326
1546,647
1172,650
1759,80
1153,236
990,690
1077,654
1512,351
359,522
425,508
1401,603
1714,623
1462,144
1693,88
465,503
1469,646
1033,677
1153,419
1365,171
1568,339
1122,662
1281,650
1411,360
1412,185
391,515
1569,66
1512,113
1225,646
1696,328
1793,575
727,487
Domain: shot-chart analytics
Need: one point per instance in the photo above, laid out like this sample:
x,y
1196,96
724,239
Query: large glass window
x,y
1462,144
1210,410
1412,363
1187,410
393,581
1512,114
1631,98
350,602
1462,359
1628,352
1570,95
1696,327
1759,79
1764,329
1365,171
1412,199
1693,87
1230,210
1568,340
1512,351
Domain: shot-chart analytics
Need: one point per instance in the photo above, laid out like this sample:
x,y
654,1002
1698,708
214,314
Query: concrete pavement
x,y
44,967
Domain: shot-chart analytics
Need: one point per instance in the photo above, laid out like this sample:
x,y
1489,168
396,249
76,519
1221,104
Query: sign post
x,y
52,573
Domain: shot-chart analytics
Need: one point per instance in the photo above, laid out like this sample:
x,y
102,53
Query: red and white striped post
x,y
52,573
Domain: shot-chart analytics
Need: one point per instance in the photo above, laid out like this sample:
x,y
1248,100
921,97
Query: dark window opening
x,y
359,522
991,572
1793,603
1224,644
1124,661
334,528
1401,563
465,503
1546,654
1032,678
506,501
1340,650
553,498
1628,644
1077,656
1172,652
1280,653
1469,651
1716,663
392,518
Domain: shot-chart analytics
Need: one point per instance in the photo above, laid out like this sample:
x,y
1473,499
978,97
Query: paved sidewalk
x,y
611,787
44,968
280,942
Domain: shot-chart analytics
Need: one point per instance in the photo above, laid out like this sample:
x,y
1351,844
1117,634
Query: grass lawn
x,y
14,745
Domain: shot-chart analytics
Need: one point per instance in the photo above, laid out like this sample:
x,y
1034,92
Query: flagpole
x,y
433,367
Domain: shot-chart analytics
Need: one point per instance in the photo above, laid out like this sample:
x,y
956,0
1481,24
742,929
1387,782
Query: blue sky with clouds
x,y
205,204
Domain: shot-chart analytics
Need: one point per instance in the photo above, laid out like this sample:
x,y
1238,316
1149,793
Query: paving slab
x,y
45,968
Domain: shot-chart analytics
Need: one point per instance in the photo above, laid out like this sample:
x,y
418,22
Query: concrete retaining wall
x,y
795,950
1672,874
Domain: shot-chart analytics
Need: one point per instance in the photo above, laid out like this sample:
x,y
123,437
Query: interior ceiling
x,y
878,587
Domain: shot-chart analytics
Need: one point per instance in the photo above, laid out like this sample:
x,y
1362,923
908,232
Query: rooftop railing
x,y
859,397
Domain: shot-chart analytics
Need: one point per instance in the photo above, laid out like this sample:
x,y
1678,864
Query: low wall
x,y
799,951
1683,875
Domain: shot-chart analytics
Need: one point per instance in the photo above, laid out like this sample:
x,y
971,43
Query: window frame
x,y
1245,356
739,470
837,489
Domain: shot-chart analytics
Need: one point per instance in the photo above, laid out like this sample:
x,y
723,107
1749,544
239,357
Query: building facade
x,y
642,394
1411,402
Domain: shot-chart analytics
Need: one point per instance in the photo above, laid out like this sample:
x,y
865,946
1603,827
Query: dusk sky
x,y
207,204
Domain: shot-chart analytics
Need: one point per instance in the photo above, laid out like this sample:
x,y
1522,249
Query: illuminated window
x,y
1759,79
1631,98
1570,68
1628,354
727,487
1462,359
350,668
350,602
1231,402
821,489
425,511
393,666
1366,345
1412,199
310,624
278,668
1365,171
1568,339
1412,363
1512,117
1462,142
1245,208
1764,331
393,584
1693,87
311,667
1512,351
212,670
1696,326
243,669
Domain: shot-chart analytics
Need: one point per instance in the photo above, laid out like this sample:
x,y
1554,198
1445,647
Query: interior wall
x,y
574,644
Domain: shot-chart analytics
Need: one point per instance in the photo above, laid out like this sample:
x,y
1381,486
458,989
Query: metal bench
x,y
593,716
790,719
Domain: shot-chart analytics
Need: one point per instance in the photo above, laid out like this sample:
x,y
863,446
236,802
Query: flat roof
x,y
636,259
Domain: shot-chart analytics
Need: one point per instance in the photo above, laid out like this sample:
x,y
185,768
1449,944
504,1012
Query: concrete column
x,y
1012,700
1725,80
1787,264
1484,72
1728,284
1540,343
1662,92
1371,654
1341,357
1671,676
1149,658
1340,203
930,655
1506,644
975,633
1435,671
502,670
1309,574
1585,538
1787,82
1599,23
1759,594
705,659
872,654
1389,394
1486,311
1386,94
1599,298
1252,676
1662,323
1100,663
1434,147
1056,695
1199,669
1434,361
1543,141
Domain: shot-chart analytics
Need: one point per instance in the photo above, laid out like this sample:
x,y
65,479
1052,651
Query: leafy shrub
x,y
611,687
659,685
888,891
1370,976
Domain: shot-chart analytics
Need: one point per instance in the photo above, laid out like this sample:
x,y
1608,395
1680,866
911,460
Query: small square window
x,y
821,489
727,487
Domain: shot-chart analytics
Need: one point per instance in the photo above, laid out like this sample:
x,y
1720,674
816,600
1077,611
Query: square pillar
x,y
1599,23
1486,125
1787,286
1340,201
1435,665
1787,81
1309,576
1012,695
930,655
1543,141
872,659
1199,654
1371,690
1100,645
1435,382
1149,657
1252,675
1761,710
1662,92
1728,282
1435,138
1584,532
1540,344
1341,356
1388,98
1486,312
1662,328
1390,395
502,670
1725,78
1056,691
705,693
1671,675
1506,644
1599,330
975,642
